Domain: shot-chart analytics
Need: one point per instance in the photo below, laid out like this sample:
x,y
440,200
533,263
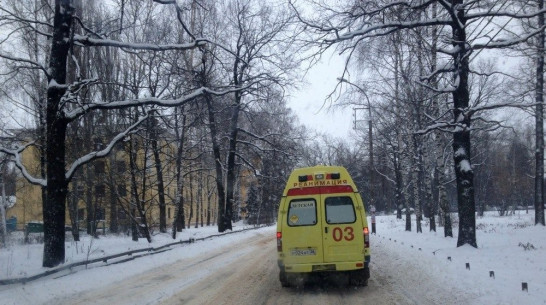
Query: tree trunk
x,y
73,212
54,208
539,122
444,205
230,182
400,199
190,194
114,225
180,218
199,217
441,205
461,137
408,218
134,191
416,184
159,175
218,165
430,203
141,204
3,225
397,162
209,203
90,211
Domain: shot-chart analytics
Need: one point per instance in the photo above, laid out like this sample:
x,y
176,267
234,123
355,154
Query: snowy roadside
x,y
46,290
25,260
511,247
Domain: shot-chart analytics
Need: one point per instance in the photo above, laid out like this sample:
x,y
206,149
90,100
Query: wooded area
x,y
446,92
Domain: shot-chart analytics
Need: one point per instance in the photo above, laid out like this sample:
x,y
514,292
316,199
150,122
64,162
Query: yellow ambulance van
x,y
322,226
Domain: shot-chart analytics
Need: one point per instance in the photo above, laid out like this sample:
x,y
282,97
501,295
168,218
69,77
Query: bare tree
x,y
63,107
359,22
539,121
265,55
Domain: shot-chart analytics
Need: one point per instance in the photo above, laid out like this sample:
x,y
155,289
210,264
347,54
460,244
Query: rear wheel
x,y
283,279
359,277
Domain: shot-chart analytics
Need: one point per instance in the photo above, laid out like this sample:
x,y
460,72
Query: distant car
x,y
322,226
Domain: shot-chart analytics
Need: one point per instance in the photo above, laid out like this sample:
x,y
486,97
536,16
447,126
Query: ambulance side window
x,y
302,212
339,210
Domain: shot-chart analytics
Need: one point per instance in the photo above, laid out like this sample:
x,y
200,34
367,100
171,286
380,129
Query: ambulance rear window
x,y
339,210
302,212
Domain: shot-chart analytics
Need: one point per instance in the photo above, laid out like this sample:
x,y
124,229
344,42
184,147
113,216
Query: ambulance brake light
x,y
279,241
366,233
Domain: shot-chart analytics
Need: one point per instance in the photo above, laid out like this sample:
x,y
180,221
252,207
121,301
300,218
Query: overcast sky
x,y
310,103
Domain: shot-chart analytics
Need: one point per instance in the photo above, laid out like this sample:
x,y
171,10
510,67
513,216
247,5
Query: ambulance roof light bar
x,y
319,176
304,178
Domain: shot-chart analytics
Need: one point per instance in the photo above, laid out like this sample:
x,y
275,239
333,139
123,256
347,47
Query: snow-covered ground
x,y
512,247
25,260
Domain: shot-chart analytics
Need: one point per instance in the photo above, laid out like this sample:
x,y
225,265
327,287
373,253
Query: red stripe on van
x,y
320,190
336,189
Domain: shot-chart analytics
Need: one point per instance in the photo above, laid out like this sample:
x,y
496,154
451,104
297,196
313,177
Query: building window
x,y
122,215
120,166
122,190
99,215
169,213
100,190
99,167
81,214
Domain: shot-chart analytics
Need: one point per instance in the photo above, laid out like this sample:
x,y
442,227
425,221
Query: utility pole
x,y
370,147
370,133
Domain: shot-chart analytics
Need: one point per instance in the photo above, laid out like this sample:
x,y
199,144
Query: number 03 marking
x,y
347,234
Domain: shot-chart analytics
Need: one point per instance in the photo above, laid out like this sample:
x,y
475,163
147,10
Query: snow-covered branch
x,y
17,159
100,42
71,95
249,164
473,110
32,64
258,137
388,28
73,114
497,13
103,153
500,43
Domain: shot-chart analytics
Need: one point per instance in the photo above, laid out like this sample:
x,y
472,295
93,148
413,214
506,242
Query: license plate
x,y
303,252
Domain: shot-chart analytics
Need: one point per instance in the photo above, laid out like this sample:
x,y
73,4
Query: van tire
x,y
359,277
283,279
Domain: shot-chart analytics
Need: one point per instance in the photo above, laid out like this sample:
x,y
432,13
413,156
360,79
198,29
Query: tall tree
x,y
360,21
539,121
63,107
264,56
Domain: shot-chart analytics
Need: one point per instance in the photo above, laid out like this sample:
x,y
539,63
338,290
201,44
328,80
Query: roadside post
x,y
372,209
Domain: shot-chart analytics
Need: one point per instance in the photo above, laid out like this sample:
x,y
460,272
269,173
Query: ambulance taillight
x,y
279,241
366,237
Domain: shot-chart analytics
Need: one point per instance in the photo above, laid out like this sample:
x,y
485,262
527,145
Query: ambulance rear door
x,y
342,225
302,234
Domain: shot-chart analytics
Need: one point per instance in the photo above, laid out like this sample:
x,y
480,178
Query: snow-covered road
x,y
245,272
241,268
